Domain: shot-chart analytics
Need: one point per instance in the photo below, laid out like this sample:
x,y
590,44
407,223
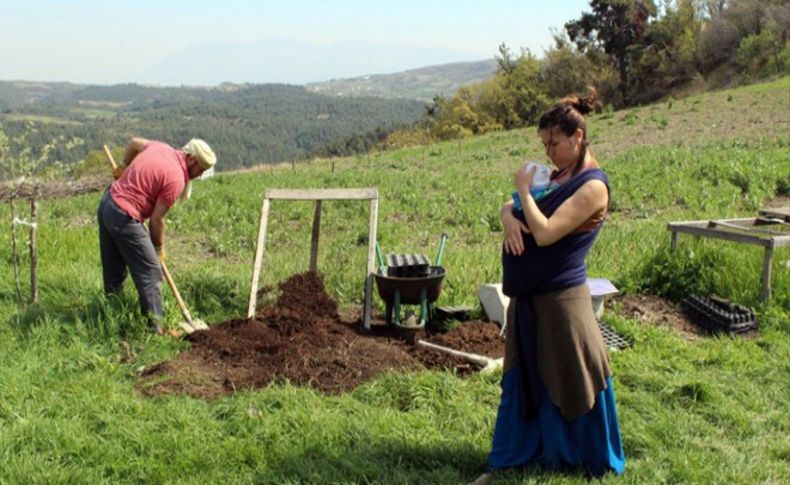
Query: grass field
x,y
713,410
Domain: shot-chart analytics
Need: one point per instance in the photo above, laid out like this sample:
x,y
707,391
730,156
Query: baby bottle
x,y
540,182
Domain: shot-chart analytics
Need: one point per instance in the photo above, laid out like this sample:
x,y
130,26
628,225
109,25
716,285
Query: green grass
x,y
715,410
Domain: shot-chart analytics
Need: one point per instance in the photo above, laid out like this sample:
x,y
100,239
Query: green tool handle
x,y
440,254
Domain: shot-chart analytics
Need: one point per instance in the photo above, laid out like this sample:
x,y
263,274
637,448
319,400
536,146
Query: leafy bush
x,y
675,275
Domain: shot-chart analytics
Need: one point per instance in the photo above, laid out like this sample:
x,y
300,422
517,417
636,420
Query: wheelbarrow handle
x,y
380,259
440,253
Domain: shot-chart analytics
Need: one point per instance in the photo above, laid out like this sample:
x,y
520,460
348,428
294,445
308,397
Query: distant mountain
x,y
291,62
422,83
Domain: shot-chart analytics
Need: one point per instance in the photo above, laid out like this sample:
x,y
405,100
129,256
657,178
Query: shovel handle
x,y
172,286
480,360
110,160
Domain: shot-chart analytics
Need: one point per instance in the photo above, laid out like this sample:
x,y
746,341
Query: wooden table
x,y
771,229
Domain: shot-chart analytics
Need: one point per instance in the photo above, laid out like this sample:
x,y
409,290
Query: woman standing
x,y
558,406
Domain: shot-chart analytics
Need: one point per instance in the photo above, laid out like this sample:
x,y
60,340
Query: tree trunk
x,y
623,62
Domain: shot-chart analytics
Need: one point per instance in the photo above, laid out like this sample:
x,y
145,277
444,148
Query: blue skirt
x,y
591,441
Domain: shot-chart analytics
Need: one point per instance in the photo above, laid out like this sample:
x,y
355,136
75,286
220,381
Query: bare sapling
x,y
14,252
26,167
33,251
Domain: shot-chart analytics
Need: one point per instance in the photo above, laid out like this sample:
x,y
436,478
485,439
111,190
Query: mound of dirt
x,y
301,338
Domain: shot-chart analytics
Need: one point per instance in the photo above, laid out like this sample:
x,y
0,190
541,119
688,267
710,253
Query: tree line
x,y
247,125
631,51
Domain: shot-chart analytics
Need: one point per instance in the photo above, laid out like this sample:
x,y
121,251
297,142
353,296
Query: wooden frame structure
x,y
317,195
758,231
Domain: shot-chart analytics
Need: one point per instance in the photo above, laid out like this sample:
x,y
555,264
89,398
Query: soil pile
x,y
301,338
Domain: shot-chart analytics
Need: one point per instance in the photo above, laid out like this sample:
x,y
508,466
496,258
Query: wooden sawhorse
x,y
318,195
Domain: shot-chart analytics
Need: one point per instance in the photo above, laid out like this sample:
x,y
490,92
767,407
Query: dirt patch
x,y
302,338
652,310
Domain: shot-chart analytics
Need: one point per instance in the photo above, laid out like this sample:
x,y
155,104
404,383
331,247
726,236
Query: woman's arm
x,y
512,227
590,198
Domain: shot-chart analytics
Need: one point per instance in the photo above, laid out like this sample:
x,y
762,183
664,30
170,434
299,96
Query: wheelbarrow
x,y
423,289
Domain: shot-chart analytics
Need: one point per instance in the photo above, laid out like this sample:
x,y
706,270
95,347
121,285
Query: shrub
x,y
677,274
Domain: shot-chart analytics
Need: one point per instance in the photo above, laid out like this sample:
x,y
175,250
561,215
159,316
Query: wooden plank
x,y
322,194
762,221
777,212
314,237
699,228
259,246
374,218
738,225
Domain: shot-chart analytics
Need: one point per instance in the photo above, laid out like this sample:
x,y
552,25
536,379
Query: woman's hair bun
x,y
586,105
582,105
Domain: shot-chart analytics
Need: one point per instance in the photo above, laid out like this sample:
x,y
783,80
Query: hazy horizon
x,y
303,41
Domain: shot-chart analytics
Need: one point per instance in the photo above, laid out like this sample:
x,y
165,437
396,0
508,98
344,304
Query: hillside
x,y
248,124
77,369
422,84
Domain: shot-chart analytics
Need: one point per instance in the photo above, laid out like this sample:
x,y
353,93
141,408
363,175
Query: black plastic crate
x,y
408,265
715,314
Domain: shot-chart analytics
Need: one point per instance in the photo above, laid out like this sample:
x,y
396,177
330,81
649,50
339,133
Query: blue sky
x,y
127,41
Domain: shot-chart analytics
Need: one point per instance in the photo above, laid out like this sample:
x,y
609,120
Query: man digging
x,y
151,177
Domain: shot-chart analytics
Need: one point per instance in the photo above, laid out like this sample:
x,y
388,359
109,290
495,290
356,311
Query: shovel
x,y
487,364
190,325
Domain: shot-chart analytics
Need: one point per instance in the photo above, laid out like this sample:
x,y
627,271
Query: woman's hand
x,y
523,179
512,228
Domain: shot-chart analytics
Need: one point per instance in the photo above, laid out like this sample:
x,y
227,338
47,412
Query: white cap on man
x,y
201,152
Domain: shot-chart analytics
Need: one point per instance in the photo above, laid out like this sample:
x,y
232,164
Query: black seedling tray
x,y
716,314
408,265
